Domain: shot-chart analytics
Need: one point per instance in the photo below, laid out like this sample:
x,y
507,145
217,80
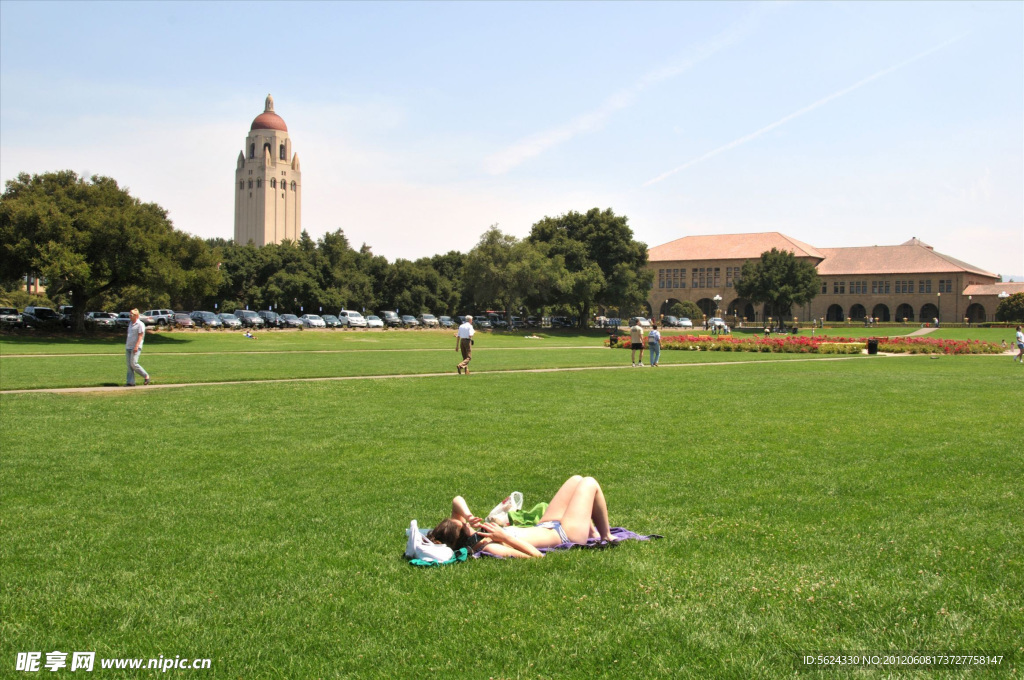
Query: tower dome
x,y
268,120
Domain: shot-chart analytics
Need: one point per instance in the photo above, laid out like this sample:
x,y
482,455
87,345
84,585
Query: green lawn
x,y
863,505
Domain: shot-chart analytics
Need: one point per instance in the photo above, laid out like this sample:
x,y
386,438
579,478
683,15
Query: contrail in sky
x,y
534,145
807,109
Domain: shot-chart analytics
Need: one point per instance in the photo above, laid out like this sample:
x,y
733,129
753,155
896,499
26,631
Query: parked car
x,y
355,319
270,319
668,321
229,320
497,321
428,321
161,317
40,317
641,321
374,321
206,320
718,324
390,318
331,321
183,320
481,322
10,317
685,323
249,318
409,321
290,321
101,320
445,322
533,322
312,321
560,322
66,314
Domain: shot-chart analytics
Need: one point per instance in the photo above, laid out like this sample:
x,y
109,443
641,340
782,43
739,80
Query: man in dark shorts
x,y
636,339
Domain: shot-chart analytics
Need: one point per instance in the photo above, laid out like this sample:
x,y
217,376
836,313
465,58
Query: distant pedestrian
x,y
1020,345
464,344
654,344
936,319
133,346
636,339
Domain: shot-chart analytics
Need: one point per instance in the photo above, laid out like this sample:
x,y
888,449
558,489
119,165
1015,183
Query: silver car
x,y
312,321
229,320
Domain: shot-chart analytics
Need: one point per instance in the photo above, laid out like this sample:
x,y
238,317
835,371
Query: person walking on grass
x,y
1020,345
132,348
654,344
636,339
464,344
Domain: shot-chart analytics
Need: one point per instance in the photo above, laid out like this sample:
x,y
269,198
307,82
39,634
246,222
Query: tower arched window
x,y
293,186
241,184
266,149
273,183
282,154
250,184
252,150
259,183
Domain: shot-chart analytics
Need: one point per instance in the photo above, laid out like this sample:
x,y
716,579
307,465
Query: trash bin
x,y
872,345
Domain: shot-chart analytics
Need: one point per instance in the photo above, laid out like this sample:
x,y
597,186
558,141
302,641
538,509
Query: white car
x,y
312,321
355,319
374,321
685,323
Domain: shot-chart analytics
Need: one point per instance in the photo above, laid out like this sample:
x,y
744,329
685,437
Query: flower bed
x,y
815,345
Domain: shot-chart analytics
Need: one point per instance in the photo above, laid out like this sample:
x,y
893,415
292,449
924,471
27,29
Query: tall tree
x,y
90,238
503,269
603,264
1011,309
780,280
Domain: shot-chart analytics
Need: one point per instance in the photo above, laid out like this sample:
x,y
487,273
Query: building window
x,y
824,287
293,185
273,183
252,150
282,156
839,287
924,286
945,285
250,186
241,184
718,277
259,183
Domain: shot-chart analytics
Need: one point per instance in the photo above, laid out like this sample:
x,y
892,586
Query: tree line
x,y
98,247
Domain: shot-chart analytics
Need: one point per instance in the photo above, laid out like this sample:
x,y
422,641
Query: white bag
x,y
499,515
417,546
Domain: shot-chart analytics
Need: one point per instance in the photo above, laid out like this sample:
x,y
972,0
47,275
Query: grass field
x,y
868,504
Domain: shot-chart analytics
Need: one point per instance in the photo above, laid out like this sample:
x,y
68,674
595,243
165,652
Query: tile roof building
x,y
888,283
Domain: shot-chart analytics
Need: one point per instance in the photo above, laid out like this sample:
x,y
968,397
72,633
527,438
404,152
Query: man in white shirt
x,y
464,344
136,335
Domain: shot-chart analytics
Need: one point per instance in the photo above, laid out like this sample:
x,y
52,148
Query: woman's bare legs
x,y
586,506
558,504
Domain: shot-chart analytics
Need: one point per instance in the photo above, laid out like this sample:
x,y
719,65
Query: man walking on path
x,y
636,339
136,334
464,343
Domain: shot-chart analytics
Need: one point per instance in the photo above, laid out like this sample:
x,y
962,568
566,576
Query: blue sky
x,y
419,125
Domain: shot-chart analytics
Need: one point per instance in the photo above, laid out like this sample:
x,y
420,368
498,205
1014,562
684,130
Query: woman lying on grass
x,y
576,513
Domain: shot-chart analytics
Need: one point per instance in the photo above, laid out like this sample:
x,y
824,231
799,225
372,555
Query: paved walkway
x,y
140,388
921,331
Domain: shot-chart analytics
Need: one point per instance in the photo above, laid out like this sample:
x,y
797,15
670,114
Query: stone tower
x,y
268,183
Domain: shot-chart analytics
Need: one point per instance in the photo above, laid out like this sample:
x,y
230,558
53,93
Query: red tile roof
x,y
994,288
729,247
905,259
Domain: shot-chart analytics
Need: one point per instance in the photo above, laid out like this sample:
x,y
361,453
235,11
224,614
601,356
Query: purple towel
x,y
618,533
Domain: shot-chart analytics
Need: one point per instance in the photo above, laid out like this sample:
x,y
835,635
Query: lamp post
x,y
968,317
718,302
938,319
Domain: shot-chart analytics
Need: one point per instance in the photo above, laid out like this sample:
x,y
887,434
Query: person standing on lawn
x,y
636,339
1020,345
654,344
464,344
133,346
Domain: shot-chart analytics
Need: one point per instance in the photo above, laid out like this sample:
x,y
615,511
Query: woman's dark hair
x,y
451,533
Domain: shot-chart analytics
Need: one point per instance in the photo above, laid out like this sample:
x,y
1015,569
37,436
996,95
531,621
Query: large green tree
x,y
603,264
91,240
1011,309
506,270
780,280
